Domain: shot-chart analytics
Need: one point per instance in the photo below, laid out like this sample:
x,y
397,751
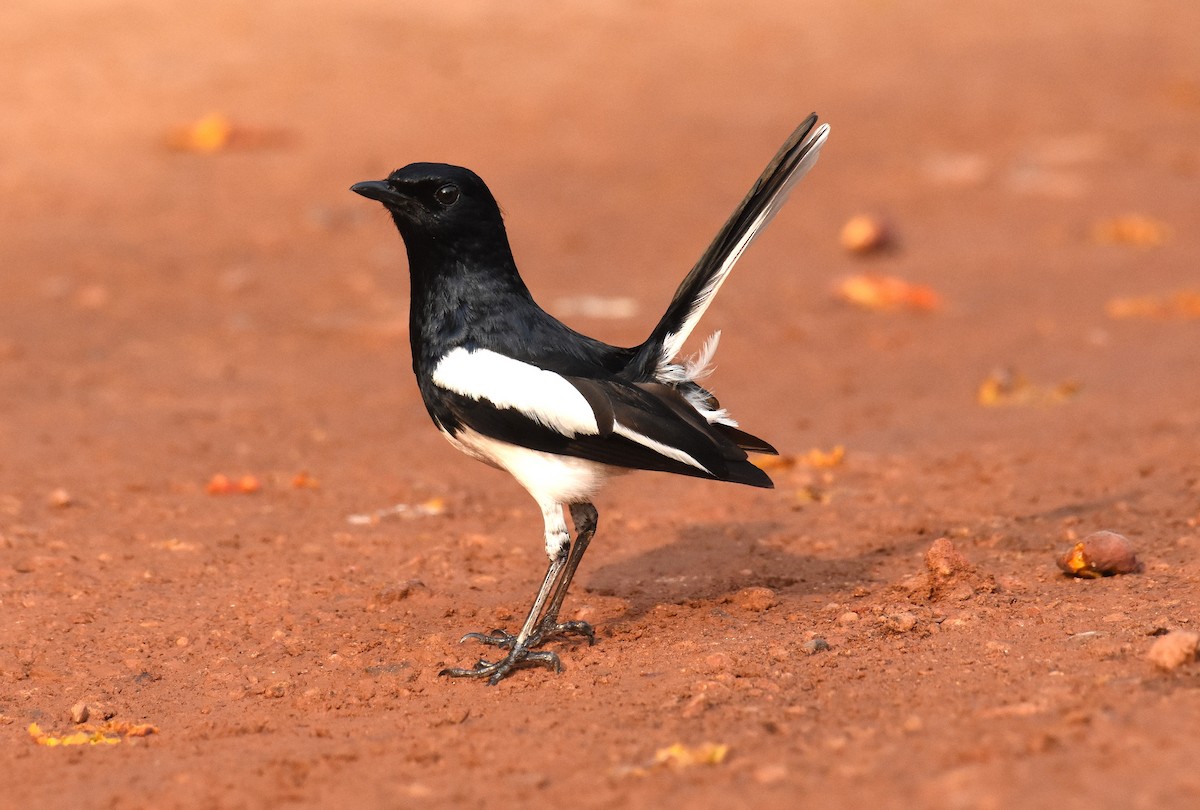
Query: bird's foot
x,y
522,656
494,671
552,628
548,629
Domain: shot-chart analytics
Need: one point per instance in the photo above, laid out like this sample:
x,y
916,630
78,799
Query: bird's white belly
x,y
548,477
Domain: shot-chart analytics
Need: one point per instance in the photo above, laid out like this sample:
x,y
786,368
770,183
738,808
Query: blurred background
x,y
177,225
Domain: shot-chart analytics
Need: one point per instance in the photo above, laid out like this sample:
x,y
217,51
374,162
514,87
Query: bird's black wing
x,y
647,426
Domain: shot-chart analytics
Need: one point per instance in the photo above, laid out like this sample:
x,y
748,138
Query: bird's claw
x,y
551,629
494,671
547,630
494,638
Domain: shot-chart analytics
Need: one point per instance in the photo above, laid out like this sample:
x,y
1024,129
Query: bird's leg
x,y
586,518
520,654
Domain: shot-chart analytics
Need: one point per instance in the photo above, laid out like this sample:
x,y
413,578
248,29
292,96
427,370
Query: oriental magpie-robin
x,y
512,386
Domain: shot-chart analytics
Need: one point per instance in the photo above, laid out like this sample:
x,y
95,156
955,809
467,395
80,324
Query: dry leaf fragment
x,y
109,733
207,135
431,507
682,756
881,293
219,485
812,494
222,485
816,457
174,544
1132,229
1007,387
303,480
1181,304
216,133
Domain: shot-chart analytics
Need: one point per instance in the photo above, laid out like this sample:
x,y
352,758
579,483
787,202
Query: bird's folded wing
x,y
611,421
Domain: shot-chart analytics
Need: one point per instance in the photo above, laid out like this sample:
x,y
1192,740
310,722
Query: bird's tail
x,y
766,197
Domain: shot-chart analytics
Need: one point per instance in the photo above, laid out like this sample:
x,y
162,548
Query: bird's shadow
x,y
707,563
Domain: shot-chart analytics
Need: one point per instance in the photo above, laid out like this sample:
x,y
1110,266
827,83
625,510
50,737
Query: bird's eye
x,y
447,195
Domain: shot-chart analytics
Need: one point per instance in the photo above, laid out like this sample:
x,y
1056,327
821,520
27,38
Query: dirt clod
x,y
1175,649
944,560
950,576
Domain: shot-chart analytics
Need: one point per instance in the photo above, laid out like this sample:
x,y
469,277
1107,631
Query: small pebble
x,y
814,646
80,713
1100,554
60,498
1174,649
849,617
864,234
755,599
900,622
717,661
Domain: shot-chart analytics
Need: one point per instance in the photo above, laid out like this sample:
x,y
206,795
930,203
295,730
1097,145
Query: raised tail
x,y
766,197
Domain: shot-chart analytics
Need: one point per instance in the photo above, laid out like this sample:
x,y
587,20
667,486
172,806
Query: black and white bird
x,y
512,386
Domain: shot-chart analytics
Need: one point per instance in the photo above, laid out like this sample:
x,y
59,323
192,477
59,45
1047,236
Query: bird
x,y
512,386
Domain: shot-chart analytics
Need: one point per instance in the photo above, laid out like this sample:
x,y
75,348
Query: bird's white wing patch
x,y
543,396
658,447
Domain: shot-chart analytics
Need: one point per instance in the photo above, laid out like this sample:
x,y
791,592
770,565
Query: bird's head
x,y
438,202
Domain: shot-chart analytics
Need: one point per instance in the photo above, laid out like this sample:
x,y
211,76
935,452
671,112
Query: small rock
x,y
755,599
60,498
814,646
717,661
900,622
695,707
80,713
1174,649
400,591
1100,554
864,234
849,617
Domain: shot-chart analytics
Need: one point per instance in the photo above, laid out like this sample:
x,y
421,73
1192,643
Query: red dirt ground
x,y
166,316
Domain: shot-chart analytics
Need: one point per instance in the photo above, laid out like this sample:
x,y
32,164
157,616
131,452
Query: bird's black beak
x,y
379,190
